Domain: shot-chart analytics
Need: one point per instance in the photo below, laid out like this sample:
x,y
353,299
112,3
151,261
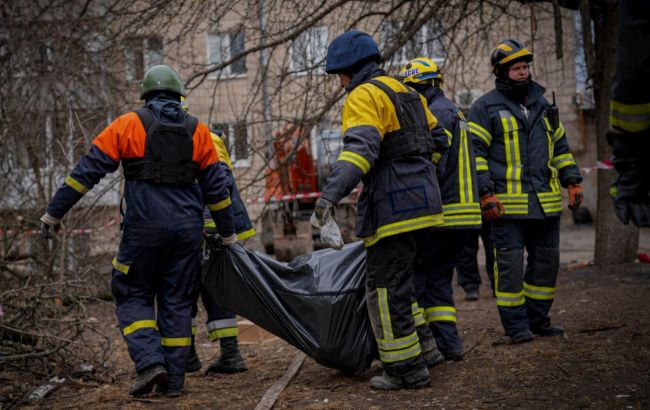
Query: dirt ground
x,y
602,362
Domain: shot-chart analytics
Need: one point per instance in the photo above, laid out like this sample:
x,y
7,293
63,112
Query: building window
x,y
222,47
427,42
142,54
236,142
309,50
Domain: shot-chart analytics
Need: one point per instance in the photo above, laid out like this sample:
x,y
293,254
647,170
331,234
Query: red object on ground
x,y
644,257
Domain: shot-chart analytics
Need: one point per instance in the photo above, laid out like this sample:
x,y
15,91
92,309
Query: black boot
x,y
547,329
147,378
230,360
418,380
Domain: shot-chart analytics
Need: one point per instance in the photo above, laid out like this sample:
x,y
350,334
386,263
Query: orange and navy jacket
x,y
149,204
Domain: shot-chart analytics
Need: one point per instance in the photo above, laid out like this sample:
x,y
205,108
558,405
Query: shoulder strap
x,y
386,89
146,117
191,122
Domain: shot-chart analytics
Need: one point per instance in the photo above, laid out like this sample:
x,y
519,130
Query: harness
x,y
413,137
168,152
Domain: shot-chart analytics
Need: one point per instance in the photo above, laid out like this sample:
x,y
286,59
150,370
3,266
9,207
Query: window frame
x,y
227,71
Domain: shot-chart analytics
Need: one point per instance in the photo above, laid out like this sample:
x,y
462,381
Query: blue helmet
x,y
349,49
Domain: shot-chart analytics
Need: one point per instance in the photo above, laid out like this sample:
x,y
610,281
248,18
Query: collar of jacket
x,y
166,109
369,71
431,93
535,91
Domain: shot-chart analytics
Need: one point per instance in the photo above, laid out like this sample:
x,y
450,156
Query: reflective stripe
x,y
140,324
514,204
520,53
481,164
539,292
509,299
120,266
563,160
403,226
513,157
246,234
629,117
551,201
217,334
220,205
384,313
418,315
355,159
481,133
441,314
176,341
457,208
554,182
462,220
395,350
194,329
464,175
221,324
558,134
76,185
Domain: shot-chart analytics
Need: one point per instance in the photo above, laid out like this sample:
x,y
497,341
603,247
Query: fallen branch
x,y
272,394
602,328
18,336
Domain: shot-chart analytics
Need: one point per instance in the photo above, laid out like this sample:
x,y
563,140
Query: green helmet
x,y
161,77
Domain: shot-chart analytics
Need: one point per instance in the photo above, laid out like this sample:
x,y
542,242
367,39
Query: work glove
x,y
322,210
229,240
49,226
631,190
575,196
491,207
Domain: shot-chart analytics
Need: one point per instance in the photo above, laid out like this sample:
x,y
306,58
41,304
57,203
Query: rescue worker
x,y
400,201
522,157
629,118
460,204
469,276
171,169
222,323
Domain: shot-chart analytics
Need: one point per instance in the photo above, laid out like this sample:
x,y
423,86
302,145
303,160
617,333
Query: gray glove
x,y
322,210
49,226
229,240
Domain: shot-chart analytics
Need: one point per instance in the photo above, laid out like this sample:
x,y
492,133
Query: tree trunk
x,y
615,243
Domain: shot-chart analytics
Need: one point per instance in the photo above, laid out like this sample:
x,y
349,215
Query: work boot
x,y
147,378
386,381
522,337
230,360
453,356
547,330
432,357
168,391
471,294
193,363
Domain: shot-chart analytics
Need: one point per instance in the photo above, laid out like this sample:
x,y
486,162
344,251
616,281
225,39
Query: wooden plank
x,y
272,394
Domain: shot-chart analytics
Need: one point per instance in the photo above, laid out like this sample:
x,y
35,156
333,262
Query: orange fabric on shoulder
x,y
204,152
123,138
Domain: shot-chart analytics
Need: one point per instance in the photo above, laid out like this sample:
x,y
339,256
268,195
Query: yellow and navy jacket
x,y
457,176
243,225
519,155
399,194
147,203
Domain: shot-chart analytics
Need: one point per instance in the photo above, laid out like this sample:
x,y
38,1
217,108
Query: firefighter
x,y
222,323
460,204
522,157
469,276
171,168
400,201
629,118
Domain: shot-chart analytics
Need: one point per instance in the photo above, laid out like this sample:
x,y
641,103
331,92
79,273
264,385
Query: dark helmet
x,y
349,49
161,77
508,52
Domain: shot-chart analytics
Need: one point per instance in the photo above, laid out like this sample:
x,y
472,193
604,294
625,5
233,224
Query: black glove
x,y
322,210
49,226
631,190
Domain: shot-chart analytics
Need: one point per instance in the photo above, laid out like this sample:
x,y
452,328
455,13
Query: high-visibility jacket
x,y
243,225
151,204
399,194
458,181
519,155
